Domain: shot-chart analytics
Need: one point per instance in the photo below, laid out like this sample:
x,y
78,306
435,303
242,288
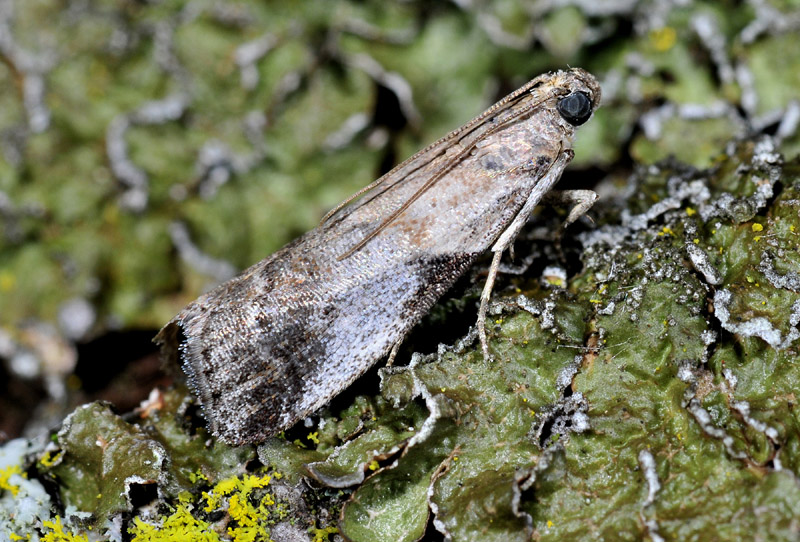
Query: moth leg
x,y
486,294
506,239
579,202
393,353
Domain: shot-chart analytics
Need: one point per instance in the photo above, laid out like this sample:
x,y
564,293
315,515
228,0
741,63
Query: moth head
x,y
577,95
575,108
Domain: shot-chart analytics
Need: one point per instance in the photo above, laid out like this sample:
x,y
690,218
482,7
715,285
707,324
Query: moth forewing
x,y
438,157
272,345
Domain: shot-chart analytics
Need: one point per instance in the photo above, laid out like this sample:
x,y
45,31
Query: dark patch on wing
x,y
542,162
492,162
271,372
436,275
250,384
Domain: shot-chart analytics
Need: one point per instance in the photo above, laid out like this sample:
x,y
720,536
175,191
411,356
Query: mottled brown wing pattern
x,y
277,342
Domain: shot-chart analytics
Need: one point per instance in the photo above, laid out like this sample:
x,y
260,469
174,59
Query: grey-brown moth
x,y
272,345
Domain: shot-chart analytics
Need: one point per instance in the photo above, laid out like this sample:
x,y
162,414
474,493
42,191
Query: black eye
x,y
575,108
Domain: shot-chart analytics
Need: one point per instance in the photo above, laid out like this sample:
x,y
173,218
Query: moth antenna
x,y
464,129
355,196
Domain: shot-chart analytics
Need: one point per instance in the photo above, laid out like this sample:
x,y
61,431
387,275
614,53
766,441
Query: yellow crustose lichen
x,y
5,479
181,525
250,521
57,533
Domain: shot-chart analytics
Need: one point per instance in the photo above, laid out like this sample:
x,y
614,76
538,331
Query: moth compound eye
x,y
575,108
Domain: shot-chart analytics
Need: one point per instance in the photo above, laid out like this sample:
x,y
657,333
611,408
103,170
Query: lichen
x,y
57,534
322,535
180,525
513,454
5,479
249,507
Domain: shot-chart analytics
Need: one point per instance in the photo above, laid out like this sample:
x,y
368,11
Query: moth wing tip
x,y
169,339
240,434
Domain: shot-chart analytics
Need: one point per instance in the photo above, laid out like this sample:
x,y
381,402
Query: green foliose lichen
x,y
512,448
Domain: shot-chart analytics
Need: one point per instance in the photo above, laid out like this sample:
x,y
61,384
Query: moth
x,y
280,340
